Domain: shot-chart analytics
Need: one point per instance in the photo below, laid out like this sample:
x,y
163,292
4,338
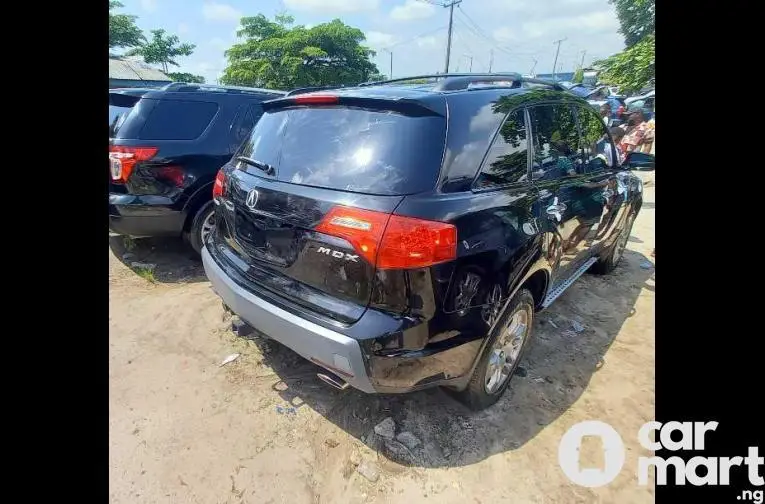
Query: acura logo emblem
x,y
252,199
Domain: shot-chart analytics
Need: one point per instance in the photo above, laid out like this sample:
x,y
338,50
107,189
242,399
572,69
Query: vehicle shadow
x,y
169,260
555,372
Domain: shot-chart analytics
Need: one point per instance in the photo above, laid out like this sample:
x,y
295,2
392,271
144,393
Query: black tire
x,y
194,235
608,262
475,395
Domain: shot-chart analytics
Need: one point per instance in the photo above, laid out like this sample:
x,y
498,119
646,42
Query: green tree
x,y
186,77
277,55
634,67
578,76
123,31
162,49
637,19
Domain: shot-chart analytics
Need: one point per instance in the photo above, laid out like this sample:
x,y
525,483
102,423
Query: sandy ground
x,y
263,429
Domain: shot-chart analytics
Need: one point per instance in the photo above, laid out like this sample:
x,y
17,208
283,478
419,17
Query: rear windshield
x,y
351,149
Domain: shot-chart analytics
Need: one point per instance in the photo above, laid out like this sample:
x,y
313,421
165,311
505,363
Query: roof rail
x,y
189,87
462,81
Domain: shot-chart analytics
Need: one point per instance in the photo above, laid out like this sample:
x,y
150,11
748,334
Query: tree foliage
x,y
578,76
186,77
635,67
277,55
637,19
123,31
162,49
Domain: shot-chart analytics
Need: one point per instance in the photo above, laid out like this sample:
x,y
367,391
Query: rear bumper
x,y
341,353
134,216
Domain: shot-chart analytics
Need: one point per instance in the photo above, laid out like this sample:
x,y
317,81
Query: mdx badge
x,y
252,199
337,254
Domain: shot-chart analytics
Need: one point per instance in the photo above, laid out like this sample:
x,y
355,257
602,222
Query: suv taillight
x,y
122,160
219,187
392,241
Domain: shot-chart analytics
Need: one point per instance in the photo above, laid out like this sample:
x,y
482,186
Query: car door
x,y
603,193
558,175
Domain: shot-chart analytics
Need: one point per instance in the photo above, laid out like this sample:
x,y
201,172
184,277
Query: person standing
x,y
635,131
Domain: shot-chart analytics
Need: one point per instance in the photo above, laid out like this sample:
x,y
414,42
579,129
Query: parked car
x,y
165,147
400,247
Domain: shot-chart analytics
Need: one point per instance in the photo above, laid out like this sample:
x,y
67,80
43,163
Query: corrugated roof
x,y
120,68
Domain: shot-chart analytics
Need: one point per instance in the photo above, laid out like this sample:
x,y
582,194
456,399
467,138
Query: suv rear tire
x,y
608,263
506,340
201,224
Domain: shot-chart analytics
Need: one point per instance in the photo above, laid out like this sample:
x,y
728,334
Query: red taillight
x,y
392,241
220,184
416,243
315,99
122,160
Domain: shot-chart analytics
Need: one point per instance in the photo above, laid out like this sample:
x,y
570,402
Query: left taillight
x,y
122,160
219,187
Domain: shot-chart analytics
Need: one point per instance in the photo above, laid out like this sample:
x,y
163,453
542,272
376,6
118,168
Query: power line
x,y
467,46
421,35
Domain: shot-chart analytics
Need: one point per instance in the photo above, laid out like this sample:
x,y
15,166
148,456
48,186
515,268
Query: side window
x,y
178,120
556,142
507,159
596,147
243,123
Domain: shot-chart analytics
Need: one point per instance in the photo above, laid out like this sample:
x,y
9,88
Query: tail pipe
x,y
333,381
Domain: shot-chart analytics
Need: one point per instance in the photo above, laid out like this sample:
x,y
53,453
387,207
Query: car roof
x,y
204,92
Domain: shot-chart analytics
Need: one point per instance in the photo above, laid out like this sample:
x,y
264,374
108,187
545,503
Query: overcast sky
x,y
518,31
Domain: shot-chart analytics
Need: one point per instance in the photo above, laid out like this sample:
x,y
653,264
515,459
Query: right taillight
x,y
392,241
220,184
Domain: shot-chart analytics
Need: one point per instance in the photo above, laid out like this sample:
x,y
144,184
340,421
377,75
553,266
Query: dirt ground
x,y
264,429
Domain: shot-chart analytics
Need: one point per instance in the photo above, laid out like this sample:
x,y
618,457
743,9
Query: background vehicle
x,y
400,247
165,146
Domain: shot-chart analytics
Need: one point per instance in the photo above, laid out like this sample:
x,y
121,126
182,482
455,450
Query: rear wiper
x,y
257,164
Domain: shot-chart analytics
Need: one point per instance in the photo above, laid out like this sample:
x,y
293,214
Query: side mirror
x,y
639,161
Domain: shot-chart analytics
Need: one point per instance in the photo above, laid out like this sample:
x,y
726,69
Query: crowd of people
x,y
635,134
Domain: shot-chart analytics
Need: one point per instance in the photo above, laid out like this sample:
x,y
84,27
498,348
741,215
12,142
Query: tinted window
x,y
507,159
596,147
243,123
556,141
119,107
178,120
352,149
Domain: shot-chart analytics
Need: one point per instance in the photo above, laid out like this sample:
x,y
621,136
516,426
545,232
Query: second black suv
x,y
403,236
165,147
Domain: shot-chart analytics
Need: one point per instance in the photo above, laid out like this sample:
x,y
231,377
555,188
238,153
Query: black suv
x,y
165,147
403,236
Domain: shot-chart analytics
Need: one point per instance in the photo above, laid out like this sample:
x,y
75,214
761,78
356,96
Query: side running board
x,y
557,291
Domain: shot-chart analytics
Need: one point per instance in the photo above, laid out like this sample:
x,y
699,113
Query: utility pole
x,y
581,65
557,51
533,67
391,61
449,38
491,59
471,62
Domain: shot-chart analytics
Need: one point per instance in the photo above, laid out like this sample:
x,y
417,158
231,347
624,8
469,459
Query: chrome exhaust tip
x,y
333,381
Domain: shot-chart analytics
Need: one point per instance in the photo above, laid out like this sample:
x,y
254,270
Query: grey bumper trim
x,y
304,337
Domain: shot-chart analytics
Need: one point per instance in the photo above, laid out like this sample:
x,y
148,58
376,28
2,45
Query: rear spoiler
x,y
402,105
